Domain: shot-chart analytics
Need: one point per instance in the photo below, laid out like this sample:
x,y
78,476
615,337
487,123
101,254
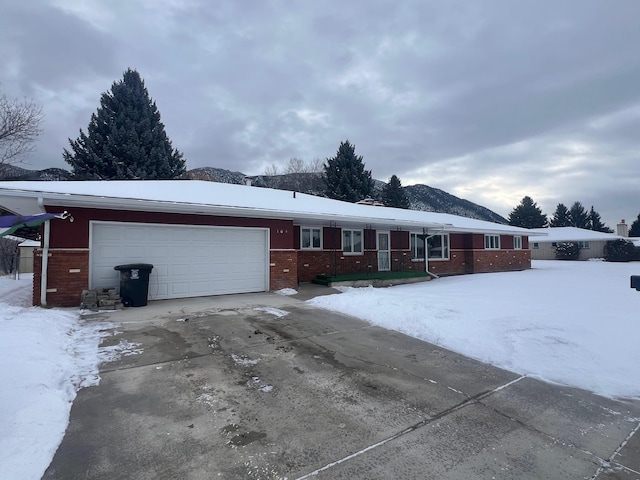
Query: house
x,y
26,249
206,238
543,242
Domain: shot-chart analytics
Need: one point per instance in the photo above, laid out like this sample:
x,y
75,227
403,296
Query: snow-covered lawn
x,y
46,356
573,323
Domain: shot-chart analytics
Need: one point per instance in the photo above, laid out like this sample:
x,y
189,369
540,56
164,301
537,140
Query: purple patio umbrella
x,y
10,223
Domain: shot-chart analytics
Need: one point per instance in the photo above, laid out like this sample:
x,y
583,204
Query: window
x,y
351,241
438,246
417,246
492,242
517,243
310,238
583,244
535,245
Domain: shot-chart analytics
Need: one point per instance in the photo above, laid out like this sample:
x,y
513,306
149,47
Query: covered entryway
x,y
188,260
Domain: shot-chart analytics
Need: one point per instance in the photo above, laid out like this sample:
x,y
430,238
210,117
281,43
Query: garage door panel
x,y
188,260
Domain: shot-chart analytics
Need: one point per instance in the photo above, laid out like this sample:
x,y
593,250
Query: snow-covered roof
x,y
569,234
211,198
29,243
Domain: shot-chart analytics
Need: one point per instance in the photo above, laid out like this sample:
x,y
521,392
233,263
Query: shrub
x,y
567,251
619,251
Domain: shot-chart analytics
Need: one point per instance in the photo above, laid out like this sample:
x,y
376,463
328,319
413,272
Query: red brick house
x,y
206,238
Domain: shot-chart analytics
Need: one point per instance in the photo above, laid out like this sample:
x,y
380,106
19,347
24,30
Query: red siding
x,y
65,234
370,241
506,242
399,240
331,238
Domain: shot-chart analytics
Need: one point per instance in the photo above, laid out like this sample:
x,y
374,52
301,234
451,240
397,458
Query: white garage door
x,y
188,261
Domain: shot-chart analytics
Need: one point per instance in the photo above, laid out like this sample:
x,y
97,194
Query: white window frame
x,y
584,244
491,242
517,242
414,248
351,251
535,245
311,230
444,248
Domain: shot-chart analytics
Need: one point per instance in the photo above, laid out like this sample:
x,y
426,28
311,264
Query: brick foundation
x,y
501,260
67,276
283,269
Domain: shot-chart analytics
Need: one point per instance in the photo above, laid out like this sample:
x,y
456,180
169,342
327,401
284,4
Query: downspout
x,y
45,264
45,257
425,235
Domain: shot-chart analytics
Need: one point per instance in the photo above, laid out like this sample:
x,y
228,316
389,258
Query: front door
x,y
384,252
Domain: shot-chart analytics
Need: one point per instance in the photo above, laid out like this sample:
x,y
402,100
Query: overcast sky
x,y
488,100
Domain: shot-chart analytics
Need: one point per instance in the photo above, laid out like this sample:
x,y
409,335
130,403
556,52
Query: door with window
x,y
384,252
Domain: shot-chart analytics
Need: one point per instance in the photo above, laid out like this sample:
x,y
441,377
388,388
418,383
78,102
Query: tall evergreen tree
x,y
595,222
345,177
393,195
560,217
634,230
527,215
578,215
125,138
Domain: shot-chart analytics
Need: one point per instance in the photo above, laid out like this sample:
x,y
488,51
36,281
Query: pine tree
x,y
595,222
393,194
125,138
560,217
634,230
345,177
527,215
578,215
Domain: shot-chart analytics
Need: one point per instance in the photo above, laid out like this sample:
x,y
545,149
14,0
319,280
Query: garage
x,y
188,260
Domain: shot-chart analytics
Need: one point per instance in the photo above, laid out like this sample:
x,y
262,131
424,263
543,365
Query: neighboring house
x,y
26,250
207,238
543,242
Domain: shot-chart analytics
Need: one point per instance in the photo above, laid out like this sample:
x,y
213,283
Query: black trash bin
x,y
134,283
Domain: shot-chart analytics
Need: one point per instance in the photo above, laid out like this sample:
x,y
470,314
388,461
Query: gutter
x,y
45,257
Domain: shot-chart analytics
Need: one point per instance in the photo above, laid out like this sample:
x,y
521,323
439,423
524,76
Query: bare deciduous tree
x,y
295,165
271,170
19,127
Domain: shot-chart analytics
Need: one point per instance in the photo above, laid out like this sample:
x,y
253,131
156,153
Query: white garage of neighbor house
x,y
591,243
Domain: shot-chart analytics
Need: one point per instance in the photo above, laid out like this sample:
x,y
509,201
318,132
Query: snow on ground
x,y
572,323
46,356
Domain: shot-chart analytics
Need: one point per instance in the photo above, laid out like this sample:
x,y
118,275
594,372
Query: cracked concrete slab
x,y
272,388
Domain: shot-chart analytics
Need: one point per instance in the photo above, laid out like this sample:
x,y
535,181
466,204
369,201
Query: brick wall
x,y
478,261
67,276
312,263
283,271
501,260
458,264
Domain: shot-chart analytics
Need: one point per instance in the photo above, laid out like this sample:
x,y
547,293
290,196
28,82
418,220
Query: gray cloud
x,y
488,100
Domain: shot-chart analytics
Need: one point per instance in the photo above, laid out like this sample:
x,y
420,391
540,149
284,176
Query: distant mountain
x,y
14,173
429,199
421,197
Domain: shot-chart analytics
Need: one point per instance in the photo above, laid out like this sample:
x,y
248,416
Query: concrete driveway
x,y
232,388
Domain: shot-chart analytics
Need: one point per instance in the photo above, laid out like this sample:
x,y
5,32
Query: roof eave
x,y
89,201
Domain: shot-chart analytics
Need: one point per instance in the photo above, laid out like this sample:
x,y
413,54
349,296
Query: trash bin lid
x,y
138,266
